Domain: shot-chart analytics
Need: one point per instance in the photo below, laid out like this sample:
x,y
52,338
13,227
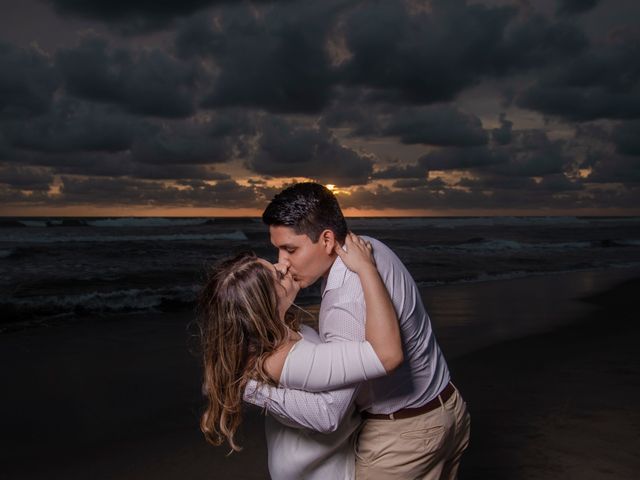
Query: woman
x,y
248,333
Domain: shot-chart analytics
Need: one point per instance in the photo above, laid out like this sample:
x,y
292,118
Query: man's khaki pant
x,y
428,446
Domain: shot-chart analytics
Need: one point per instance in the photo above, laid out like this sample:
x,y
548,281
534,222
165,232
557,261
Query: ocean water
x,y
59,269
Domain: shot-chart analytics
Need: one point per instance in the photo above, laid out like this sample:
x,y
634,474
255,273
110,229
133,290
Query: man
x,y
416,423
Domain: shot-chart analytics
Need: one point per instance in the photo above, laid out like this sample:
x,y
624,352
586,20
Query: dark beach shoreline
x,y
120,399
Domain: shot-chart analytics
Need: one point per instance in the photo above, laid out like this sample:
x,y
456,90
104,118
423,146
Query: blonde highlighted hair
x,y
239,328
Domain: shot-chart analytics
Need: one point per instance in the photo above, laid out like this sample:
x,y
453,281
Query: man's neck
x,y
326,273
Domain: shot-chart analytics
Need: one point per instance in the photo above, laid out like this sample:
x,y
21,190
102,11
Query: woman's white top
x,y
311,365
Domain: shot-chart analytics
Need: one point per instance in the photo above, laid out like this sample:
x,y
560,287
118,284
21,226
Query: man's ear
x,y
328,239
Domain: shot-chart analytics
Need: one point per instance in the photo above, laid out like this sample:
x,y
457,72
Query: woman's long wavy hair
x,y
239,328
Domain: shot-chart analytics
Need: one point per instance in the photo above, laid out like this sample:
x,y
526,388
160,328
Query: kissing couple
x,y
369,396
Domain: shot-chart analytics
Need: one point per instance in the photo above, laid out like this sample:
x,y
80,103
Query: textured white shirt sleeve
x,y
321,411
327,366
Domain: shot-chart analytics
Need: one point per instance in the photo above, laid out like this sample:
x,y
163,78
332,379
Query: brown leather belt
x,y
443,396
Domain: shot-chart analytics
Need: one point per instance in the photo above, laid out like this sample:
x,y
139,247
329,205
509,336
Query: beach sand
x,y
560,405
552,385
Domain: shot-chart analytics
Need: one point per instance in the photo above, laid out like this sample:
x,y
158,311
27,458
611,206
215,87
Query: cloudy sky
x,y
206,107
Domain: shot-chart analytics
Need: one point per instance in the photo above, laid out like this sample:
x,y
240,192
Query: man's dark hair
x,y
308,208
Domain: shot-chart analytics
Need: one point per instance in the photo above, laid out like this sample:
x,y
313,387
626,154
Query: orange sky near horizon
x,y
141,211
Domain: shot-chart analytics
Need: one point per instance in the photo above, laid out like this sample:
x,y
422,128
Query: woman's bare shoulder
x,y
274,363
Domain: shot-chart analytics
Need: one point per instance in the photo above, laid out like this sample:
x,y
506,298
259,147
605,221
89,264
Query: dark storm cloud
x,y
446,158
218,139
433,55
276,60
175,172
613,168
489,181
134,16
350,108
224,193
409,183
285,150
27,81
195,184
559,183
182,145
572,7
117,10
361,121
419,183
26,178
502,135
5,151
118,165
75,163
230,193
109,190
530,154
437,125
401,171
15,196
626,136
230,123
143,82
73,126
592,143
198,37
533,154
81,138
607,155
425,197
604,82
551,183
454,158
602,196
394,50
477,195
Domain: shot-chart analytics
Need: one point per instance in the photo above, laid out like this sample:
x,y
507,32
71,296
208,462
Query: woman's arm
x,y
314,366
381,328
310,365
322,412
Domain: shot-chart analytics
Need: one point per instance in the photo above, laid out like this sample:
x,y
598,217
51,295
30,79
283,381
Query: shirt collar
x,y
335,279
